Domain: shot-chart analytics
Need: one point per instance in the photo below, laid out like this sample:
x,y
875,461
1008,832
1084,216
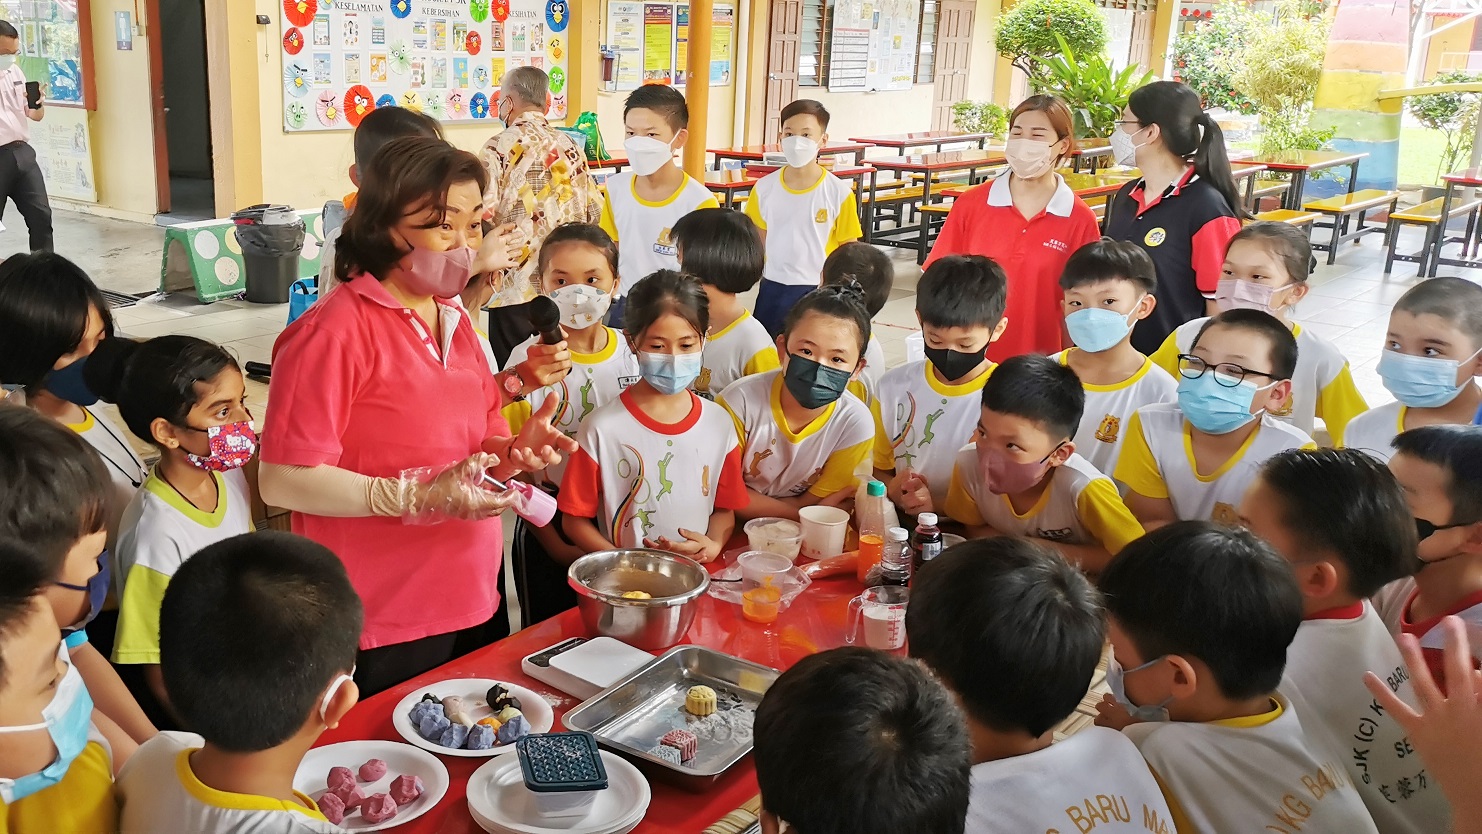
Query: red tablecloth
x,y
815,621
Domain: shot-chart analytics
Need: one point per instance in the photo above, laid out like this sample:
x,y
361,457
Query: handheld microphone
x,y
545,321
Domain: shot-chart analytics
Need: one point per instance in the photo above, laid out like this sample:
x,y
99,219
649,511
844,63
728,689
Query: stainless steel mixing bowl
x,y
674,583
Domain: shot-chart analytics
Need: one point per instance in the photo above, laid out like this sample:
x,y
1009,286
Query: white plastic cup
x,y
759,565
823,531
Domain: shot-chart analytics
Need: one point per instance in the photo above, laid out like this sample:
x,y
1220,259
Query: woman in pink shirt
x,y
385,415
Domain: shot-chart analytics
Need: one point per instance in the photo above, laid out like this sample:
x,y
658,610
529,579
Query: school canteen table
x,y
757,153
728,184
1089,152
922,139
615,164
1469,178
817,620
1302,163
929,166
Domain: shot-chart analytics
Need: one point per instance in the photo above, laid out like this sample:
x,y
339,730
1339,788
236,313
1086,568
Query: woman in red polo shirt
x,y
1030,222
385,416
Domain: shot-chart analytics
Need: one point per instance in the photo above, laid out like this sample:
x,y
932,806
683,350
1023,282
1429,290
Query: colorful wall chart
x,y
344,58
873,45
652,42
51,46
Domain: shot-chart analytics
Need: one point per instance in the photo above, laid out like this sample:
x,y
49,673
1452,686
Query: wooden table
x,y
1089,152
1469,178
757,153
929,166
1302,163
922,139
615,164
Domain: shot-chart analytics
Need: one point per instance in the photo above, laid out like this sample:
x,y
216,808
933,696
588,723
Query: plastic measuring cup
x,y
879,612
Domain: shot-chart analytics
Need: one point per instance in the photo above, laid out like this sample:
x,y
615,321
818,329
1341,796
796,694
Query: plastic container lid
x,y
561,762
897,534
927,519
875,488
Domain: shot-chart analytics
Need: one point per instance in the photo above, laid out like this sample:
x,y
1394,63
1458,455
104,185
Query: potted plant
x,y
980,117
1201,57
1095,90
1031,32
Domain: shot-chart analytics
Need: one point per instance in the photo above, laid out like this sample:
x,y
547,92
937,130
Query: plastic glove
x,y
430,494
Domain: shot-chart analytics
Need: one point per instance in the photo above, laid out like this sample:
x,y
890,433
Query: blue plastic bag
x,y
301,296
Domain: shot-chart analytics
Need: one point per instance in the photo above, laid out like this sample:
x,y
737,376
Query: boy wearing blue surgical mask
x,y
1200,619
1193,459
1432,357
1108,287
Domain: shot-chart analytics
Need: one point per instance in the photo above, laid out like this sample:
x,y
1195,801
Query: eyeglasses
x,y
1228,374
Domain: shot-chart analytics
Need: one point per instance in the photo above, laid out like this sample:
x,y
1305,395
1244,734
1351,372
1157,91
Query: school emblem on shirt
x,y
754,469
1057,245
702,382
1058,535
1224,513
1156,237
665,244
1109,429
1285,410
821,216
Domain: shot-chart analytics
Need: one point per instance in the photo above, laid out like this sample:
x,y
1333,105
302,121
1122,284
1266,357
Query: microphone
x,y
545,321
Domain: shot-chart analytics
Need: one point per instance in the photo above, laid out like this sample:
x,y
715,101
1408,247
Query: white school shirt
x,y
802,227
595,380
1322,383
1109,409
1375,429
1080,506
1247,775
867,386
821,458
159,531
1094,780
641,479
1325,668
644,229
1158,462
741,349
158,791
921,422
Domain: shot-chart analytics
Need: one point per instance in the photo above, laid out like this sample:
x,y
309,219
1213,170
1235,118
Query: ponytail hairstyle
x,y
1286,242
155,379
1189,133
845,300
666,291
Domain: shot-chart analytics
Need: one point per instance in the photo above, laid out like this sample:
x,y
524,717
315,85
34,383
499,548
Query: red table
x,y
928,166
816,621
756,153
616,163
922,139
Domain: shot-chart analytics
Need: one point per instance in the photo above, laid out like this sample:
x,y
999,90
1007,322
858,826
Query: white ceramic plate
x,y
399,758
498,801
535,708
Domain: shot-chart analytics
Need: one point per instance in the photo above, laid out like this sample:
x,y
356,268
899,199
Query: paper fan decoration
x,y
358,102
433,107
478,10
401,8
558,80
558,107
328,109
296,80
300,12
557,15
411,101
472,43
293,41
478,106
457,104
501,10
386,100
555,47
296,115
399,58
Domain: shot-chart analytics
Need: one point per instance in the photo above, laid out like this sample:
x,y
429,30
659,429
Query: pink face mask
x,y
232,445
1004,476
438,274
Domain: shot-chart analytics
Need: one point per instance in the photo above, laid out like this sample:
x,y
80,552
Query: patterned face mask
x,y
232,445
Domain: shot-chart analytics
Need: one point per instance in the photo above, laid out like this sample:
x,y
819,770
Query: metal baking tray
x,y
631,716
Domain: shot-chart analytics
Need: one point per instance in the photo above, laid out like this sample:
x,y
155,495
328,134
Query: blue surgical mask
x,y
1114,675
1095,329
66,719
68,384
1213,408
670,373
1421,381
96,590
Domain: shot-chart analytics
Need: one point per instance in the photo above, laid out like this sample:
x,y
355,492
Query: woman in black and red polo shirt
x,y
1184,209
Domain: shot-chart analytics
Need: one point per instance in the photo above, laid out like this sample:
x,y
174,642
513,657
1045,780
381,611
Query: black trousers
x,y
540,581
22,184
383,667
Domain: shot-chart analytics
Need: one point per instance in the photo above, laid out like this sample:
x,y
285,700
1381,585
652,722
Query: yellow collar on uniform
x,y
239,801
961,389
807,431
1224,467
1147,365
600,356
88,421
1248,721
166,493
745,314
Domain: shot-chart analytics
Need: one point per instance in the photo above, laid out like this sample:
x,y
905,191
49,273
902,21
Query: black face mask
x,y
954,364
812,384
1426,529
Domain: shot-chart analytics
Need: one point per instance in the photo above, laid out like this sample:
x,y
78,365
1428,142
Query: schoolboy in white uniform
x,y
966,623
723,249
1194,459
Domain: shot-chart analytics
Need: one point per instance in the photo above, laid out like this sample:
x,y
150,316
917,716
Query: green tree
x,y
1278,70
1454,114
1027,33
1201,57
1096,91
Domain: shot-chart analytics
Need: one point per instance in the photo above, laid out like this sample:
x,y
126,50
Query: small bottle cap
x,y
897,534
875,488
927,519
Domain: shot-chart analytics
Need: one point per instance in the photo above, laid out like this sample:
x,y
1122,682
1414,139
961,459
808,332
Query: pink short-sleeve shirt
x,y
356,385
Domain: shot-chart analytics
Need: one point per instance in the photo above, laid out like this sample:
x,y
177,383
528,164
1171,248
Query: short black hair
x,y
384,124
22,579
7,30
1347,502
1208,591
879,718
805,107
1455,300
1458,450
1110,260
1280,342
54,489
567,233
664,100
865,265
962,291
720,247
1036,387
838,300
988,607
44,305
252,629
666,291
154,379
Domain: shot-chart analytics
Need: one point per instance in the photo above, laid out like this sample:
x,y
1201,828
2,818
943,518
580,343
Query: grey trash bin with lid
x,y
271,237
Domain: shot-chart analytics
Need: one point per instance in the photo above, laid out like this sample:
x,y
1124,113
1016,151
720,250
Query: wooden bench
x,y
1346,209
1262,189
1428,214
1288,216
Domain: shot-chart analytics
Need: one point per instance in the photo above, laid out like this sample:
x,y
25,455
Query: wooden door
x,y
1141,51
155,44
954,43
782,63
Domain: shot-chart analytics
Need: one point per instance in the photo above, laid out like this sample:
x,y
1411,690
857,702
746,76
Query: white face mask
x,y
1124,147
334,688
647,154
799,150
6,62
1028,158
581,305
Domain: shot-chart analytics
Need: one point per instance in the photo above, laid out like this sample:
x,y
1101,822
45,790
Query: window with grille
x,y
814,44
926,42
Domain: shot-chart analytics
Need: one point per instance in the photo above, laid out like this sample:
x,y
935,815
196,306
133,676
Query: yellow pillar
x,y
232,67
758,37
584,62
697,85
1162,33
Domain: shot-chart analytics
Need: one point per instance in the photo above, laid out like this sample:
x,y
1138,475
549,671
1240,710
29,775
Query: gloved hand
x,y
430,494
